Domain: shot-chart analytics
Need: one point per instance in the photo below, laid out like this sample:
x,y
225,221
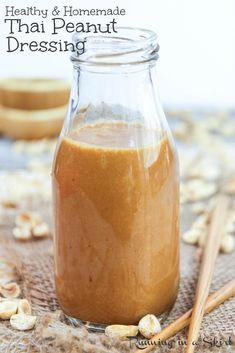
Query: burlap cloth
x,y
35,265
35,269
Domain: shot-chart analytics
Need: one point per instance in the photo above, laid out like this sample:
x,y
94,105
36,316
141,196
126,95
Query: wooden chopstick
x,y
209,255
213,301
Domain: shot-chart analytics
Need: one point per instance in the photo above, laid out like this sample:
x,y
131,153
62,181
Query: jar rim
x,y
129,46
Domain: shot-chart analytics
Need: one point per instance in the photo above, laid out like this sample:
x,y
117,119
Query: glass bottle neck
x,y
129,87
123,95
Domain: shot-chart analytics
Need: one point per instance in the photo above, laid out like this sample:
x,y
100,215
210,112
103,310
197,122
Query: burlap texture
x,y
37,284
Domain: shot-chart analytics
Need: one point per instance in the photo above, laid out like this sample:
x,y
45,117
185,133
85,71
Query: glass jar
x,y
116,186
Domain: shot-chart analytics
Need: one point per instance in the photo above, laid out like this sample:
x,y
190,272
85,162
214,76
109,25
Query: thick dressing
x,y
116,223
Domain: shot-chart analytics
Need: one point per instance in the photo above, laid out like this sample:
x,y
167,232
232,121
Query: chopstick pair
x,y
213,301
210,252
202,304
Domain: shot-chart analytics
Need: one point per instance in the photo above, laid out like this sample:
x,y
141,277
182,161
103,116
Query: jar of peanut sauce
x,y
116,186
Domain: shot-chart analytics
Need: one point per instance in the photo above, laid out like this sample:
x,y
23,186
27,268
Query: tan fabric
x,y
36,271
207,132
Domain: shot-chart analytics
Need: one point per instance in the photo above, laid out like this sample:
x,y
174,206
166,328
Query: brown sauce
x,y
116,210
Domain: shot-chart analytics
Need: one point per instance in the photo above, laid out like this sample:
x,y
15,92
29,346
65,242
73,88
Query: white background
x,y
197,40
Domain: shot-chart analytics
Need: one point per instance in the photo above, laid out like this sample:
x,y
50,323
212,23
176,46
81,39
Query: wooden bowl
x,y
31,124
34,94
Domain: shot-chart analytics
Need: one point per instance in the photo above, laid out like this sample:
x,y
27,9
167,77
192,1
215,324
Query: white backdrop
x,y
197,40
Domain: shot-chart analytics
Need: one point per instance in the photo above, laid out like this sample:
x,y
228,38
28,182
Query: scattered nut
x,y
149,326
7,309
10,290
30,224
197,189
22,233
201,222
8,272
24,307
227,243
121,331
41,230
211,172
230,225
27,220
9,204
22,322
191,236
